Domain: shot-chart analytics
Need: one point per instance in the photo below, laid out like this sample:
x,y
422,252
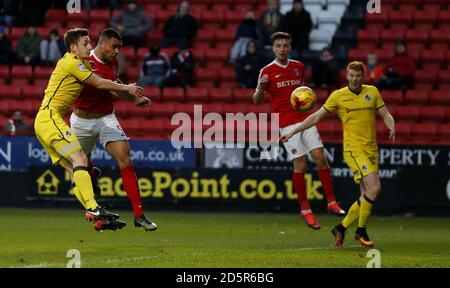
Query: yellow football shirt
x,y
357,113
66,83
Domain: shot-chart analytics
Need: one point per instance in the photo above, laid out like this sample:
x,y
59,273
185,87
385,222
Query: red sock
x,y
91,169
300,189
327,184
130,183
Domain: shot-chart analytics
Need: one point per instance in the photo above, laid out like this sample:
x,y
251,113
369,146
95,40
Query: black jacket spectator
x,y
298,24
16,125
183,64
155,68
5,48
269,22
181,27
248,66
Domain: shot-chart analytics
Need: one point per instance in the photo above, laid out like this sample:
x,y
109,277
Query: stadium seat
x,y
432,113
131,126
243,95
197,95
235,16
220,95
56,15
433,56
205,74
444,77
403,131
444,16
82,16
377,18
392,35
10,91
33,91
205,35
172,94
426,131
74,24
400,17
163,109
440,97
4,108
153,92
444,133
440,36
4,72
419,36
43,72
409,112
416,97
128,53
392,96
16,32
101,15
424,17
22,71
227,74
422,76
218,55
357,55
214,16
384,55
368,36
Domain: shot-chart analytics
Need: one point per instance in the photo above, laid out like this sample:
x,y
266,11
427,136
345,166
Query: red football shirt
x,y
92,99
283,79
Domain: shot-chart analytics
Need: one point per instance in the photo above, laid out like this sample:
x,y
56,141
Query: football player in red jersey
x,y
280,78
93,118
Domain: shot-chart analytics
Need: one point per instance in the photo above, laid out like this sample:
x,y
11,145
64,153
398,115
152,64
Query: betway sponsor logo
x,y
289,83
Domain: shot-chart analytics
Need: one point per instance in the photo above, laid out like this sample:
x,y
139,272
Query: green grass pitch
x,y
42,237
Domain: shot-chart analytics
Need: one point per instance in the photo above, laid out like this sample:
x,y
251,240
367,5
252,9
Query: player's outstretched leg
x,y
145,223
363,238
305,213
339,235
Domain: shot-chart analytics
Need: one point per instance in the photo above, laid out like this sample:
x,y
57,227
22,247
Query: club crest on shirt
x,y
367,98
294,151
364,167
68,134
81,67
296,72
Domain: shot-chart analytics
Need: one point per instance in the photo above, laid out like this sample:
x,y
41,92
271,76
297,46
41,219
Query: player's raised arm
x,y
104,84
312,120
262,87
389,121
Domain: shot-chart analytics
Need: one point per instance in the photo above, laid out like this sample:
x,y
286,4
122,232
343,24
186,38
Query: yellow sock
x,y
83,183
365,211
352,215
77,193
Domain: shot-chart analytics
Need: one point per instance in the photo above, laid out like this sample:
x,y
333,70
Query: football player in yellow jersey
x,y
356,105
66,82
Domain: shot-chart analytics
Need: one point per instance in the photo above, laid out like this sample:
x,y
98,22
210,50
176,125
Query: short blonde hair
x,y
357,66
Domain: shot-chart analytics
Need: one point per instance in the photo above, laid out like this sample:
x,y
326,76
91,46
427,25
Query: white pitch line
x,y
324,248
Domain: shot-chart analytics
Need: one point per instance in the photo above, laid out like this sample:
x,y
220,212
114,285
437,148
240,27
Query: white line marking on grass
x,y
324,248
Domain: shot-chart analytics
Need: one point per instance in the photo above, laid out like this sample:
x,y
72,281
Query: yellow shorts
x,y
55,135
362,163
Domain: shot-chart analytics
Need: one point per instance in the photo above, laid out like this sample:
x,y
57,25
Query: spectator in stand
x,y
9,11
181,27
269,23
94,4
5,48
400,71
248,66
374,69
16,125
52,49
133,24
28,48
155,69
246,32
325,69
183,64
298,24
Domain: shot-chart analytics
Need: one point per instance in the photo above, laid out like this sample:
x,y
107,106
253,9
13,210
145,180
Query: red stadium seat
x,y
431,8
163,109
205,35
399,17
403,130
416,97
391,35
172,94
10,91
225,35
409,112
357,55
4,72
74,24
433,56
431,67
426,130
4,108
368,36
424,17
440,97
220,95
214,16
444,77
56,15
100,15
418,36
199,54
42,72
384,55
243,95
422,76
17,32
33,91
321,94
82,16
227,74
392,96
153,92
432,113
197,95
235,16
128,53
444,16
21,71
377,18
219,55
443,133
204,74
440,36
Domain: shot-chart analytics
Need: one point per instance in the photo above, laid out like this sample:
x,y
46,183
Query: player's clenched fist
x,y
264,82
135,91
142,102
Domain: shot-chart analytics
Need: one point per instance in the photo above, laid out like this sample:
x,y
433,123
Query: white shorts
x,y
301,143
106,129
